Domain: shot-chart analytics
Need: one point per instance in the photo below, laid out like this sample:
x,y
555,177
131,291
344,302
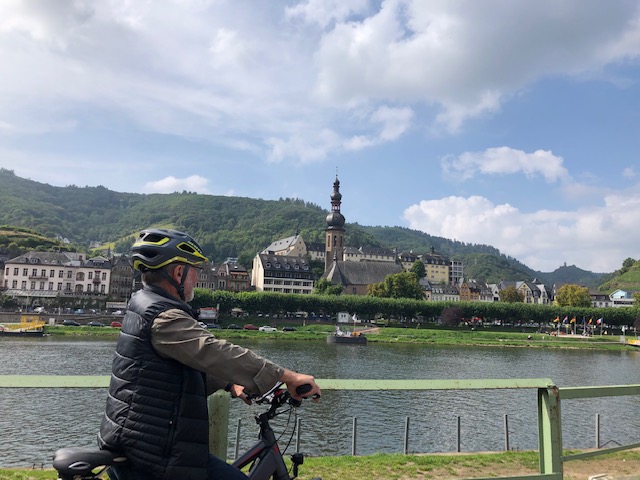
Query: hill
x,y
226,226
15,241
627,278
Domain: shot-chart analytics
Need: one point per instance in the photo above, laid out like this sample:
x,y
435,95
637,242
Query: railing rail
x,y
551,458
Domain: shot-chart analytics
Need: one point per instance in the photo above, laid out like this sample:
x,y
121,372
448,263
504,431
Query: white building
x,y
53,274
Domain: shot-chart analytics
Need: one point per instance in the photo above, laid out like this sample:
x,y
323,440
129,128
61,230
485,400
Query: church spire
x,y
334,246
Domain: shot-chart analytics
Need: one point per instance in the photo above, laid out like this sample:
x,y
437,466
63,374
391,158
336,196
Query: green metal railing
x,y
551,458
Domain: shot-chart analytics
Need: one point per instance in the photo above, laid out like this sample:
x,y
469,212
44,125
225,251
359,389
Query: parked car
x,y
213,325
118,312
95,324
250,326
116,324
267,328
79,311
39,310
70,323
288,329
233,326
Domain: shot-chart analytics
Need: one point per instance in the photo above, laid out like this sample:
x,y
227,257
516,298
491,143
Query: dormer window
x,y
278,265
268,264
287,266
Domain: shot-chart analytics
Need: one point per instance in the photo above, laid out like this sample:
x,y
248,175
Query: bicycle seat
x,y
81,461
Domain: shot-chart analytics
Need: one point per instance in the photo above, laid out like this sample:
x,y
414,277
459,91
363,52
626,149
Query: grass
x,y
415,466
427,336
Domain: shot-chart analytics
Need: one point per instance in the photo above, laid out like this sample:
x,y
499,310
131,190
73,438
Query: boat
x,y
634,343
347,337
29,326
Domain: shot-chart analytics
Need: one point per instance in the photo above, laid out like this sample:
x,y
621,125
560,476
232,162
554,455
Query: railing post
x,y
506,432
458,434
549,431
597,430
353,438
406,436
218,404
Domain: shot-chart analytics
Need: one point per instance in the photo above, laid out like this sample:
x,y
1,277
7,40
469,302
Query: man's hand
x,y
295,379
237,391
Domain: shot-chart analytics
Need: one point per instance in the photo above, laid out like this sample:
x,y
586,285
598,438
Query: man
x,y
165,366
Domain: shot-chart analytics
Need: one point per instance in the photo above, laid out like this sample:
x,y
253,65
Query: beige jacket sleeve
x,y
178,336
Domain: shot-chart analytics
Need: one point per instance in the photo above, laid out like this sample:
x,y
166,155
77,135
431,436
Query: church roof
x,y
360,273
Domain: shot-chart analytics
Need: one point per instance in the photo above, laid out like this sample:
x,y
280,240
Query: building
x,y
334,238
436,266
290,246
281,273
122,278
48,275
355,277
232,276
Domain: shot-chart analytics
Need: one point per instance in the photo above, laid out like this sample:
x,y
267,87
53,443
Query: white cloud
x,y
170,184
595,239
272,73
505,161
629,172
325,12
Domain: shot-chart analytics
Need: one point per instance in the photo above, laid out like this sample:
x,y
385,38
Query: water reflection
x,y
34,422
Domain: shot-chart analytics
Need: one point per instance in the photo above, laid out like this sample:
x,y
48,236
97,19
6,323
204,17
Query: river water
x,y
35,422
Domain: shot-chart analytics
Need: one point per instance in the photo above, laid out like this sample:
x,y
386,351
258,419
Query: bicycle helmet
x,y
156,248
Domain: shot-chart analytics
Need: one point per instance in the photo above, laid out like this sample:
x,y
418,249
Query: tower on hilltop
x,y
334,245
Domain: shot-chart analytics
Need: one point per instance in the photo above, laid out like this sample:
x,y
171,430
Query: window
x,y
61,274
50,285
59,285
14,284
90,275
88,288
69,274
25,272
102,288
52,273
33,285
67,286
7,272
24,285
43,273
15,271
104,275
79,276
41,285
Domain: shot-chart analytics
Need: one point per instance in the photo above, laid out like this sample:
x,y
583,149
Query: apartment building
x,y
53,274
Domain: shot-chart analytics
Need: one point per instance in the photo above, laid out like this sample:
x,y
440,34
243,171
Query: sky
x,y
510,124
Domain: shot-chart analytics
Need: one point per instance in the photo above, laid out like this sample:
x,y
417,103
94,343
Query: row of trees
x,y
369,307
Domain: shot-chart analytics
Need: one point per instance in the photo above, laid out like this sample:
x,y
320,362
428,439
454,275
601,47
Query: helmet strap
x,y
178,286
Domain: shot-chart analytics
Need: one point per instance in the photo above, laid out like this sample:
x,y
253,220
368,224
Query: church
x,y
284,265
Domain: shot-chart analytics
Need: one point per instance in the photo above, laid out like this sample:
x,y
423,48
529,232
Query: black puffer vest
x,y
156,410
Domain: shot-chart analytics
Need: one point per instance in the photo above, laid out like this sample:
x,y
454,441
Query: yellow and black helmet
x,y
156,248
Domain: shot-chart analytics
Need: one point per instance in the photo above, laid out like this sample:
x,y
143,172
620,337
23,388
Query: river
x,y
35,422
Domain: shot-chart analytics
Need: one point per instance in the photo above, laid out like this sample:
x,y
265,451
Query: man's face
x,y
189,283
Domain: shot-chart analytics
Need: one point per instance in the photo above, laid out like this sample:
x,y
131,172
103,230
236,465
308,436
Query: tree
x,y
325,287
398,285
571,295
452,316
636,299
511,295
419,269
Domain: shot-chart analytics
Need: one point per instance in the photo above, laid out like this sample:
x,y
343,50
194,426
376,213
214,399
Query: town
x,y
51,279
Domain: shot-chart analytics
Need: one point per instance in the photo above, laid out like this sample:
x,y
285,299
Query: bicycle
x,y
264,459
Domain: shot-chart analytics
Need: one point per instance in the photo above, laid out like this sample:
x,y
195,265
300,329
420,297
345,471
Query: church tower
x,y
334,245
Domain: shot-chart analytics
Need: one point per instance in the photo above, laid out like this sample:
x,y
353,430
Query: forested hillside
x,y
226,226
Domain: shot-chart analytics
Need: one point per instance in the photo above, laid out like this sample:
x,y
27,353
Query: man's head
x,y
167,256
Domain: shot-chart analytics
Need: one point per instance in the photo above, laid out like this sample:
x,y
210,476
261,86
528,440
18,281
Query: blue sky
x,y
513,124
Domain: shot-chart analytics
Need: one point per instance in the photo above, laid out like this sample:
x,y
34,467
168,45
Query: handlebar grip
x,y
302,389
306,388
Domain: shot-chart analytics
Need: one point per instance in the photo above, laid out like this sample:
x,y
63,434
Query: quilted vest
x,y
156,411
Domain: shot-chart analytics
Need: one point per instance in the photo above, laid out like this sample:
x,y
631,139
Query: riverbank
x,y
422,467
463,336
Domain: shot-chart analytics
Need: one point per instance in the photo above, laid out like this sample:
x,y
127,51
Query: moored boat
x,y
347,337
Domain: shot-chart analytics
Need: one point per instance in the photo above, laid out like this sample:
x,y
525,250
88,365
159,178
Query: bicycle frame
x,y
264,456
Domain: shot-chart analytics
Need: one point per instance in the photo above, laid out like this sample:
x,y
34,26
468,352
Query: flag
x,y
556,320
599,321
590,321
573,320
565,319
